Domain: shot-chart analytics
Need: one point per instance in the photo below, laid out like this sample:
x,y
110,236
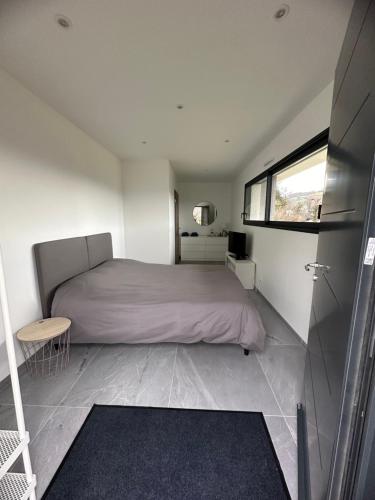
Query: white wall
x,y
55,182
191,193
281,255
149,219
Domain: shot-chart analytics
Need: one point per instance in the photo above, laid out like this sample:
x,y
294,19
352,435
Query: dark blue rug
x,y
138,453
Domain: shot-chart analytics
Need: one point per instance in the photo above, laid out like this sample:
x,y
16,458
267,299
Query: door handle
x,y
316,265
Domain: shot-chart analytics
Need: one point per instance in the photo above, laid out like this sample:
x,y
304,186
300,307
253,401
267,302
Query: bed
x,y
126,301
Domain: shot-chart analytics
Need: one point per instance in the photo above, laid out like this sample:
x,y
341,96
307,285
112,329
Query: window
x,y
255,204
289,194
297,191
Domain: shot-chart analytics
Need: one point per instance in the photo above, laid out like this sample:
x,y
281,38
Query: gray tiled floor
x,y
185,376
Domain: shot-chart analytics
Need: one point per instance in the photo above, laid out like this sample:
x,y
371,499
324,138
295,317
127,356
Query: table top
x,y
44,329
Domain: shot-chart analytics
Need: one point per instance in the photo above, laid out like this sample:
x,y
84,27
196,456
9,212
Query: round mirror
x,y
204,213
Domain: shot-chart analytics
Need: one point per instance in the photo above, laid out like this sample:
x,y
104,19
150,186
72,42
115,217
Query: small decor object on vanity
x,y
45,345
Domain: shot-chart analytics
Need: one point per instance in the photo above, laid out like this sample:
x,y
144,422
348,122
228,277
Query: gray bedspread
x,y
126,301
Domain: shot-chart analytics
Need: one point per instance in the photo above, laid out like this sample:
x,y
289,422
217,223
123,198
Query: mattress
x,y
126,301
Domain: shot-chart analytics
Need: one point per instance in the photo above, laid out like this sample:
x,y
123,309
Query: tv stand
x,y
244,269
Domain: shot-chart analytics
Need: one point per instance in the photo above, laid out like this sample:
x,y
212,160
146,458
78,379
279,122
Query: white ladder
x,y
14,486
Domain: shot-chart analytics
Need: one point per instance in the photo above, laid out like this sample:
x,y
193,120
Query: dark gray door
x,y
350,161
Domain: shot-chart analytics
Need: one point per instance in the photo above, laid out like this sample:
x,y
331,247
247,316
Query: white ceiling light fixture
x,y
227,140
144,142
281,12
180,106
63,21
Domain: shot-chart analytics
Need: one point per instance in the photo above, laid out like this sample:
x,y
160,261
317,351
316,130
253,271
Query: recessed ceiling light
x,y
227,140
144,142
180,106
281,12
63,21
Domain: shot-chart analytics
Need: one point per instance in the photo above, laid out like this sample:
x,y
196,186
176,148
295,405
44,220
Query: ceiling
x,y
122,68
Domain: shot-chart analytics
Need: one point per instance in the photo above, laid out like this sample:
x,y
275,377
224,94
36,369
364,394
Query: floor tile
x,y
155,384
36,418
320,455
126,375
51,390
220,377
278,331
113,377
284,369
52,443
286,451
291,422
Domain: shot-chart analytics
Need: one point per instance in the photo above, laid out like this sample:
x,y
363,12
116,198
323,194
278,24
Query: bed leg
x,y
246,352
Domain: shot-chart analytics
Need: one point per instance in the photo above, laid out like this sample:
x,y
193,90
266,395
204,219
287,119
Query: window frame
x,y
318,142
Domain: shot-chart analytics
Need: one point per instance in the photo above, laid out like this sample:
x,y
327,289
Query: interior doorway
x,y
177,243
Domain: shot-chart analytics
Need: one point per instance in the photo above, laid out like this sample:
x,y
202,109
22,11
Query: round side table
x,y
45,345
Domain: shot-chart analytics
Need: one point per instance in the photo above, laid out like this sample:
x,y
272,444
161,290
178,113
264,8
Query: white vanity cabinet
x,y
204,248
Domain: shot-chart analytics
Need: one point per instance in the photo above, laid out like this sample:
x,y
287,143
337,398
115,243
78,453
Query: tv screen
x,y
237,244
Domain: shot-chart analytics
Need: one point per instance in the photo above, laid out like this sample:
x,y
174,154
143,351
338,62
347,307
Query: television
x,y
237,244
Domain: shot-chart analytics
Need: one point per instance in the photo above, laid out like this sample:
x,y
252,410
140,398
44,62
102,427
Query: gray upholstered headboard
x,y
99,248
60,260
